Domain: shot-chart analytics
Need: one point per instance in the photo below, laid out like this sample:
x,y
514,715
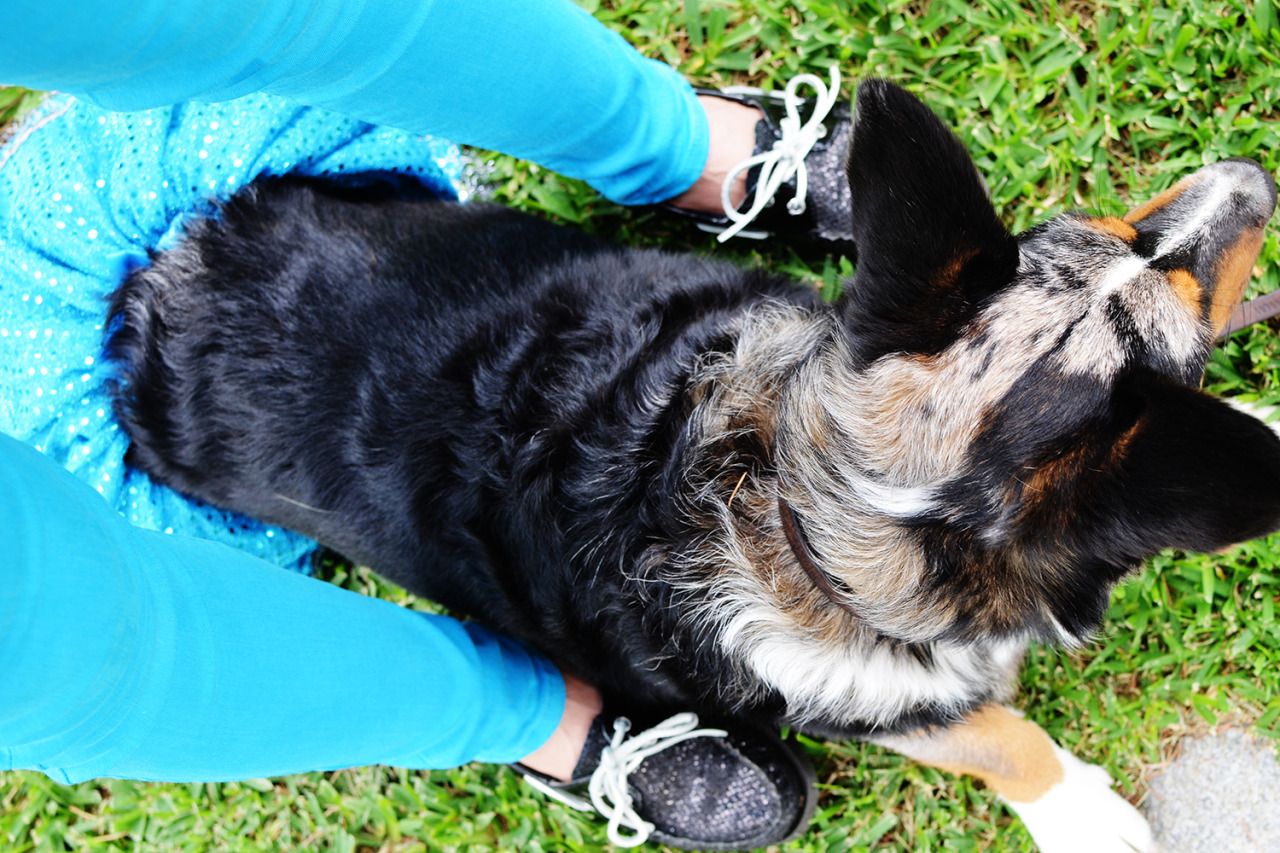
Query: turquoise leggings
x,y
538,79
134,654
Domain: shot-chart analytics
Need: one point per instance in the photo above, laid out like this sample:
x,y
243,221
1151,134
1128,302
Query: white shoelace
x,y
608,785
786,158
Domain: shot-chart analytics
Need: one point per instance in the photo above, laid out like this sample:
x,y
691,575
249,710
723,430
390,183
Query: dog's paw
x,y
1081,814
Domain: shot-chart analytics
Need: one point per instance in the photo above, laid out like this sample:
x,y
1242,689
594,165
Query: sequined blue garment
x,y
84,193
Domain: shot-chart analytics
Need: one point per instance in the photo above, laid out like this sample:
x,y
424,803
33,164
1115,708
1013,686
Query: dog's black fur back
x,y
513,363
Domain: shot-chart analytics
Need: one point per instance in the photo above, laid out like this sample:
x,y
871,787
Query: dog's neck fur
x,y
830,666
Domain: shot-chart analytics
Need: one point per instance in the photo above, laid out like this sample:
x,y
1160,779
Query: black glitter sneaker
x,y
797,187
731,788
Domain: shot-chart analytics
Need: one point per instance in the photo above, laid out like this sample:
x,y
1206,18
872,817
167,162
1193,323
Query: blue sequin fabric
x,y
84,193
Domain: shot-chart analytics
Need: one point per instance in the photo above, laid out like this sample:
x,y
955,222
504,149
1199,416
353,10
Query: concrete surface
x,y
1220,795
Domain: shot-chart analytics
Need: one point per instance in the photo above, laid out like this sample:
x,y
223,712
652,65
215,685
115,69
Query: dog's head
x,y
1003,426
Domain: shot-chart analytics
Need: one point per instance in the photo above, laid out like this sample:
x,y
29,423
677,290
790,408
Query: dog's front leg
x,y
1067,805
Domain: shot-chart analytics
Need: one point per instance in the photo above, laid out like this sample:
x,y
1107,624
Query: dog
x,y
699,487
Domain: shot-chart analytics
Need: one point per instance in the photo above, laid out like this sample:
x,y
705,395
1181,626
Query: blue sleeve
x,y
129,653
538,79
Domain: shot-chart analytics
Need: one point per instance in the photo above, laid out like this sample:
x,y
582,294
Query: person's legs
x,y
538,79
127,652
134,654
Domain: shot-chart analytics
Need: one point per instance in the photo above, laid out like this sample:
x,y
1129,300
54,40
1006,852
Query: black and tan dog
x,y
700,488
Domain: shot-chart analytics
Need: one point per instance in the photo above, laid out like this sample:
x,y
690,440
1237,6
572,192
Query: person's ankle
x,y
732,139
559,755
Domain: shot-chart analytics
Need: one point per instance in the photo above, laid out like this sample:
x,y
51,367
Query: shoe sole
x,y
809,778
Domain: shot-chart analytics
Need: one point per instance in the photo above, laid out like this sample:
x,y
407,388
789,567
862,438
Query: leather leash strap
x,y
1253,311
804,556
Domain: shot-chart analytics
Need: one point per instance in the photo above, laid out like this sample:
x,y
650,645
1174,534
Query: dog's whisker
x,y
300,504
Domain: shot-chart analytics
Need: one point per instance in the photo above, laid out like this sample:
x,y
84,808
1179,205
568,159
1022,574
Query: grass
x,y
1064,105
15,103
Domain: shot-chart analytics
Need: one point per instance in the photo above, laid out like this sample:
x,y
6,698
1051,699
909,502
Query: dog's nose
x,y
1263,182
1223,196
1210,226
1247,185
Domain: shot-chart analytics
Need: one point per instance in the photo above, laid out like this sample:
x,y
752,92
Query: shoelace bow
x,y
608,785
786,157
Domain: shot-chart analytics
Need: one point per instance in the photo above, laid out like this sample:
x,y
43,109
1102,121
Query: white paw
x,y
1081,814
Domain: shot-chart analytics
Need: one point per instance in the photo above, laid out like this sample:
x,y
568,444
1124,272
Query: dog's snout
x,y
1255,188
1220,199
1206,232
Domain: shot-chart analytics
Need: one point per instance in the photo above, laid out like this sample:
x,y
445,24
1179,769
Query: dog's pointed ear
x,y
930,246
1193,472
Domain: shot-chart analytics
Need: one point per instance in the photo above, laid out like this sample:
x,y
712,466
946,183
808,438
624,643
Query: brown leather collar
x,y
804,556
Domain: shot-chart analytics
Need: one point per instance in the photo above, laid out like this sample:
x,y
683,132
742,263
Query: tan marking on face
x,y
1233,270
1012,755
1159,202
1187,289
1042,488
1120,447
1116,227
951,270
1049,476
